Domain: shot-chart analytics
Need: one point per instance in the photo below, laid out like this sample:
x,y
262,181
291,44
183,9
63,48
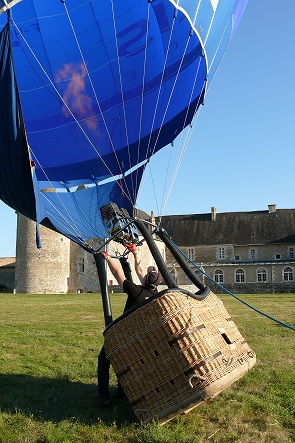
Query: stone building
x,y
247,252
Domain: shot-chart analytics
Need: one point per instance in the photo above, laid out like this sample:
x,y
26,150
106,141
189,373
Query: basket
x,y
174,352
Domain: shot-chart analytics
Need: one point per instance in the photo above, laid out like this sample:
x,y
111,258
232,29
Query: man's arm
x,y
137,263
115,269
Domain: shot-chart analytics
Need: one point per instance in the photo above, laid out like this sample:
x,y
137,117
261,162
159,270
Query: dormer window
x,y
221,254
190,253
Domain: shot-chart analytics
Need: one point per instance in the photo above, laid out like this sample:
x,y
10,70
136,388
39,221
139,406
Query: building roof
x,y
273,226
7,262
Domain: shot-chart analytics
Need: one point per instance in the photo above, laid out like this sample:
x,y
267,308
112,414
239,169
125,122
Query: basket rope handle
x,y
198,377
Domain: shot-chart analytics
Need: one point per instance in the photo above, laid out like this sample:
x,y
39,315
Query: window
x,y
253,254
81,265
278,256
240,276
291,252
218,276
288,274
221,253
237,257
190,254
261,275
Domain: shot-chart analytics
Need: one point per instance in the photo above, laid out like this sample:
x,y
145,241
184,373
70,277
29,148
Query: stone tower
x,y
45,271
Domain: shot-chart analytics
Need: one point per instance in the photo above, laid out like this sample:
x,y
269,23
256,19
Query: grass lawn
x,y
48,359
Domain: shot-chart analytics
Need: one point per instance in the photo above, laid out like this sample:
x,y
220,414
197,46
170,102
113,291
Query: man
x,y
136,294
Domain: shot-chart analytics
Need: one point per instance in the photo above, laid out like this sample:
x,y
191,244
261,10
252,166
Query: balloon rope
x,y
185,143
154,188
166,179
229,23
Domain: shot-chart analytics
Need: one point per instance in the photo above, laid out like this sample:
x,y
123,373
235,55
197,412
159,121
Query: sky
x,y
241,151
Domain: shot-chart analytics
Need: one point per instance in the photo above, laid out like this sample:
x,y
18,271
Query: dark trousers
x,y
103,374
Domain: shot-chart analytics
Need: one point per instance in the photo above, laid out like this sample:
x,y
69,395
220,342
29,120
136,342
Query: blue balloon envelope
x,y
91,90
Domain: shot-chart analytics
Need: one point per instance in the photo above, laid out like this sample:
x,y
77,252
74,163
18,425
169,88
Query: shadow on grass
x,y
58,399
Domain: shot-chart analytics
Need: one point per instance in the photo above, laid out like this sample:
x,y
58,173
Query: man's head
x,y
152,277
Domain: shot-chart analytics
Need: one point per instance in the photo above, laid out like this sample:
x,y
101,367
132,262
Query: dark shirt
x,y
136,293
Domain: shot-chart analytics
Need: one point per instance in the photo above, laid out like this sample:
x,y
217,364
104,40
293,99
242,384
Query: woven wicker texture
x,y
175,352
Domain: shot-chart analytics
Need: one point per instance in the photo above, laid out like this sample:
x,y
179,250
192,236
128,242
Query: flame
x,y
75,96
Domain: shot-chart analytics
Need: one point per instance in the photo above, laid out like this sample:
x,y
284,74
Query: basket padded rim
x,y
198,296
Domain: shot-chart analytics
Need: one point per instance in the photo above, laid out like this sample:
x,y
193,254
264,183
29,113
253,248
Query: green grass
x,y
48,360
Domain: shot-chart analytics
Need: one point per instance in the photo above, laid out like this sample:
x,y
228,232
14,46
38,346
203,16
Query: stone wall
x,y
250,288
256,288
7,274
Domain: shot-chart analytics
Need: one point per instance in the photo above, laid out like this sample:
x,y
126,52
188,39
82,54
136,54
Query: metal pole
x,y
126,268
181,261
155,253
102,276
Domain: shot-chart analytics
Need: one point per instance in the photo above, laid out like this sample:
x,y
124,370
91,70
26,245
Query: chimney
x,y
213,214
272,208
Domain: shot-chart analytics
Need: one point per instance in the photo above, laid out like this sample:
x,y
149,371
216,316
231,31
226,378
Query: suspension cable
x,y
185,143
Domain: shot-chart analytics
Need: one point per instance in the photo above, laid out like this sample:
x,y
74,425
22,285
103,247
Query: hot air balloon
x,y
90,91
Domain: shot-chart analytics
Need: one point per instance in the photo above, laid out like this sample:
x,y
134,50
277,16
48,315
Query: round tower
x,y
45,271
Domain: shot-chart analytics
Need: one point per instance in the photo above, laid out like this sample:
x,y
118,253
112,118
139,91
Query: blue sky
x,y
241,152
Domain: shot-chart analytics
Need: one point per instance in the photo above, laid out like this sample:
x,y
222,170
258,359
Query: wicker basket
x,y
174,352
